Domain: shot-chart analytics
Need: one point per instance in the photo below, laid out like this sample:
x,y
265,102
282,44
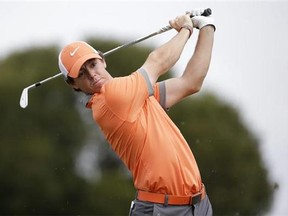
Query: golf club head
x,y
24,98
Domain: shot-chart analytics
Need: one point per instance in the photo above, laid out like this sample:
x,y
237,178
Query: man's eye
x,y
93,64
81,73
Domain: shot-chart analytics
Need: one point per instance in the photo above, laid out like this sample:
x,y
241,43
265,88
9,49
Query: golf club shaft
x,y
24,96
207,12
105,54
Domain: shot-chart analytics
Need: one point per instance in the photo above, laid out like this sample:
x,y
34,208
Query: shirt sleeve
x,y
158,90
160,93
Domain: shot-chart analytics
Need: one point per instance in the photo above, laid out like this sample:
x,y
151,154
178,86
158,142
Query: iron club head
x,y
24,98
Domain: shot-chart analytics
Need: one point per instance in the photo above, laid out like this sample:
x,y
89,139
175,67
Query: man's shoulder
x,y
132,80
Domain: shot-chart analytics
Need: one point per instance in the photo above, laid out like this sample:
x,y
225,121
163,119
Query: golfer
x,y
131,112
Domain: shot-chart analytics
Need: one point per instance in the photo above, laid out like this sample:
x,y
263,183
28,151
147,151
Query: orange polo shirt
x,y
144,137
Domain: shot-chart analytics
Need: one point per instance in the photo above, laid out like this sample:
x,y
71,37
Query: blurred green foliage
x,y
39,146
227,154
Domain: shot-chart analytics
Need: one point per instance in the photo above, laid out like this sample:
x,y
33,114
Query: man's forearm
x,y
199,63
171,51
164,57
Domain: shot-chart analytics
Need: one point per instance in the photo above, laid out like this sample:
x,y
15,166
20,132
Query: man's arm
x,y
192,79
163,58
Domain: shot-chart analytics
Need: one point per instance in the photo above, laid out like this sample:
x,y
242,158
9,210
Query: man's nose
x,y
91,73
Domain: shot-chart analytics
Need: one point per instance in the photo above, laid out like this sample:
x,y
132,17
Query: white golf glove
x,y
201,21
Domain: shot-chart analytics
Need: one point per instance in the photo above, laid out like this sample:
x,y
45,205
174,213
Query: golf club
x,y
24,95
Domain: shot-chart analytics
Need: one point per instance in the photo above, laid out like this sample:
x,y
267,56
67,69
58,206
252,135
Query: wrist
x,y
189,28
209,26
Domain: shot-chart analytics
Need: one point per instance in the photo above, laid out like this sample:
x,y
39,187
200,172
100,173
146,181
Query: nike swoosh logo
x,y
73,53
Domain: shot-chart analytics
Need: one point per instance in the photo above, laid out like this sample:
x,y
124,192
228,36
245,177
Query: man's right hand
x,y
180,21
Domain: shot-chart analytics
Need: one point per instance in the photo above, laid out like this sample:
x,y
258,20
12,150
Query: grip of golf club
x,y
206,12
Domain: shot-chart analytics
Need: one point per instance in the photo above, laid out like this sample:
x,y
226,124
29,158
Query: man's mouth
x,y
96,82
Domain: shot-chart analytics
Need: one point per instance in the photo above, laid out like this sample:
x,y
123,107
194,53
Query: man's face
x,y
92,76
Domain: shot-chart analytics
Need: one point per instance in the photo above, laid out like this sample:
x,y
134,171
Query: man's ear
x,y
75,87
71,83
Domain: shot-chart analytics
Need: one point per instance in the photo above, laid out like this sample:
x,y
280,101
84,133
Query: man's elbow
x,y
163,60
194,89
195,85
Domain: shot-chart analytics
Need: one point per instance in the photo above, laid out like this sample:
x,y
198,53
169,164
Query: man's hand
x,y
200,21
181,21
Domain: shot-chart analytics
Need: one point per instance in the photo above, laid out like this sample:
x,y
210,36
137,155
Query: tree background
x,y
42,147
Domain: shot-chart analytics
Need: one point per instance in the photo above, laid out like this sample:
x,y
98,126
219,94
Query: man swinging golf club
x,y
131,112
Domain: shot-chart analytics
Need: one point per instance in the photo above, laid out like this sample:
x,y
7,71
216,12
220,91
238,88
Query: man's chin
x,y
94,90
